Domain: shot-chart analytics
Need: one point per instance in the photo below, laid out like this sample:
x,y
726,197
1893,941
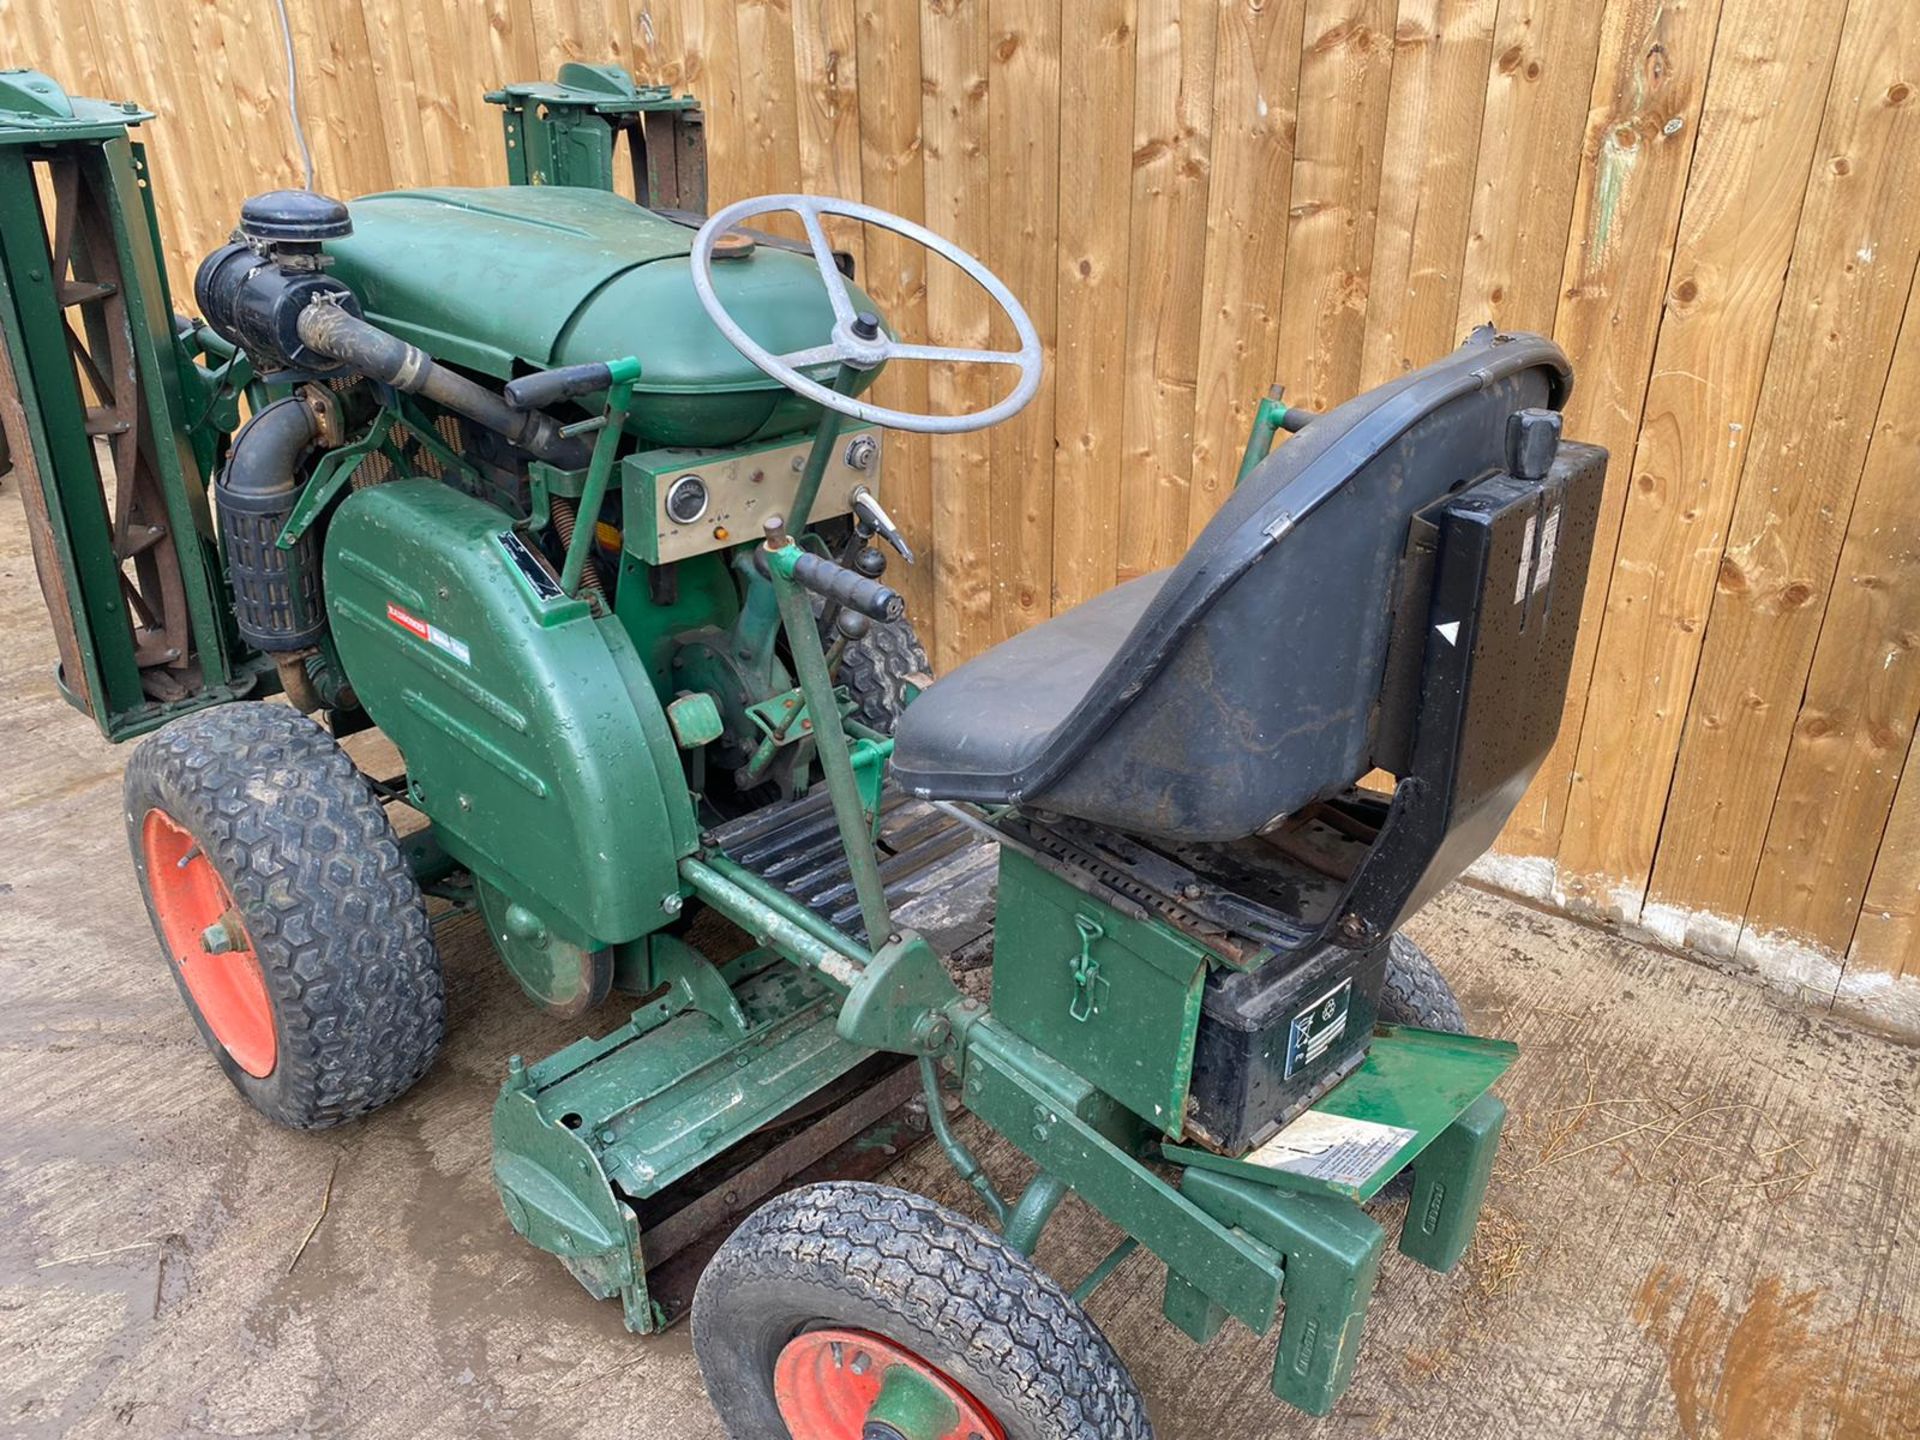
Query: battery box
x,y
1272,1041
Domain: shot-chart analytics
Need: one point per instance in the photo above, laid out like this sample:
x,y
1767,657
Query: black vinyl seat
x,y
1204,701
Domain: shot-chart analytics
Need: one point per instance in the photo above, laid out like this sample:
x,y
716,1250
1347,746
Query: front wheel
x,y
289,918
846,1311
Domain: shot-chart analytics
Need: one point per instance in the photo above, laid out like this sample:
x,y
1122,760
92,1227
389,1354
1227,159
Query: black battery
x,y
1273,1040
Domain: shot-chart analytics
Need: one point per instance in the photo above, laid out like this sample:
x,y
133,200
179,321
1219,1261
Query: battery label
x,y
1334,1148
430,633
1318,1028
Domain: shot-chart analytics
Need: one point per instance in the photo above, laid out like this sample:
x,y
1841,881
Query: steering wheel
x,y
858,340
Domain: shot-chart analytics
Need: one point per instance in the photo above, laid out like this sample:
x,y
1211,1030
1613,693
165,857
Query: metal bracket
x,y
896,1002
333,475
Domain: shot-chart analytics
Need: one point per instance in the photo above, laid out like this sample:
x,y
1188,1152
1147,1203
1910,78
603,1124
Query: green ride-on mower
x,y
580,502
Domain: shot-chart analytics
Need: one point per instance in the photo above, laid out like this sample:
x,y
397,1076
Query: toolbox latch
x,y
1088,984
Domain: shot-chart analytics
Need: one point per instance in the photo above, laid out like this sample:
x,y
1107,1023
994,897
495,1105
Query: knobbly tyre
x,y
581,502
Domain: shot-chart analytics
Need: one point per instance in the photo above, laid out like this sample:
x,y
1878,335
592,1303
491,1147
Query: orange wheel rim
x,y
825,1383
227,987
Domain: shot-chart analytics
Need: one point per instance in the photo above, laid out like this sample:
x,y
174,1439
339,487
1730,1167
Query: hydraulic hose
x,y
267,453
381,356
276,593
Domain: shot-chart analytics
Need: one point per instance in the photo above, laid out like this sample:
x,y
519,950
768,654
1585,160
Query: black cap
x,y
866,325
295,216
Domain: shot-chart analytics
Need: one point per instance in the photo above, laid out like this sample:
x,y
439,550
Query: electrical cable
x,y
293,94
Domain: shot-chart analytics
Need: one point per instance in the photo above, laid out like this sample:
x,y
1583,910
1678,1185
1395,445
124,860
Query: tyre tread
x,y
337,921
939,1274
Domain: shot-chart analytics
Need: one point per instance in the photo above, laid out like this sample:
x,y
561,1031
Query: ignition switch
x,y
861,451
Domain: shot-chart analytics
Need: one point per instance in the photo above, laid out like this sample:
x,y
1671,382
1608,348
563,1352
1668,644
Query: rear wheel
x,y
289,918
847,1311
1416,993
876,669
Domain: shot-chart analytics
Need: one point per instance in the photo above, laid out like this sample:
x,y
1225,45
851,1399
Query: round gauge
x,y
686,499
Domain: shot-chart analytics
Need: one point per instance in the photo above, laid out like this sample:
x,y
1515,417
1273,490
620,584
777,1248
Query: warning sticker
x,y
1549,542
430,633
1317,1028
1334,1148
1526,562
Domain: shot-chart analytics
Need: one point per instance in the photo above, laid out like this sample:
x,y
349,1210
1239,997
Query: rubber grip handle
x,y
848,588
550,387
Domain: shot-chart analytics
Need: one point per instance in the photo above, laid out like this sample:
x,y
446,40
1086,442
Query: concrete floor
x,y
1706,1222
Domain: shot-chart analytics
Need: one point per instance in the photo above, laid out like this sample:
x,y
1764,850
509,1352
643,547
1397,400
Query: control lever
x,y
874,520
847,587
550,387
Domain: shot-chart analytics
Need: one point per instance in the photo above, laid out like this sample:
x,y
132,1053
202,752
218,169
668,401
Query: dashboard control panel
x,y
681,503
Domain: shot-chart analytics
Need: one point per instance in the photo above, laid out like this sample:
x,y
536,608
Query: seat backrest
x,y
1253,682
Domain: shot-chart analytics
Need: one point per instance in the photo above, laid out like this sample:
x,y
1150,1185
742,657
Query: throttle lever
x,y
873,519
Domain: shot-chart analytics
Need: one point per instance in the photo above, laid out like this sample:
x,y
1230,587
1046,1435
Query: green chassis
x,y
584,1137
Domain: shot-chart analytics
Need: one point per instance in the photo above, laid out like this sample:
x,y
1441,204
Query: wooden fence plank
x,y
442,57
1765,96
1853,262
1639,146
1887,938
339,95
1346,78
825,68
202,131
1255,92
1096,131
1543,62
1166,270
659,46
954,36
1439,88
598,32
1023,109
770,143
1856,721
89,48
713,74
892,176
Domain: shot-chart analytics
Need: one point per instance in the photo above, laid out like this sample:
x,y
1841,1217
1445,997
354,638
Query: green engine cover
x,y
529,277
532,735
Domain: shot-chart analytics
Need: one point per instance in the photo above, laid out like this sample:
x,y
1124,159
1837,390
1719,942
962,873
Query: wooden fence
x,y
1713,204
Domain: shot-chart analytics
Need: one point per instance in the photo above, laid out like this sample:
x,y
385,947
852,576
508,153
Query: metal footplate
x,y
1419,1101
938,870
632,1155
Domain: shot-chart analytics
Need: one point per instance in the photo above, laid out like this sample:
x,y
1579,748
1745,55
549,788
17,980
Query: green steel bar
x,y
825,436
831,741
117,173
599,471
1037,1104
769,925
33,320
1271,417
1103,1272
772,896
1033,1210
963,1160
